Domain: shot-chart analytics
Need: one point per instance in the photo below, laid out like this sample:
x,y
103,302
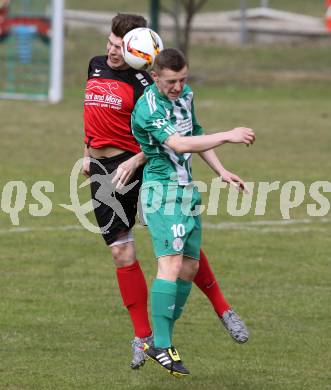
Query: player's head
x,y
120,25
123,23
170,72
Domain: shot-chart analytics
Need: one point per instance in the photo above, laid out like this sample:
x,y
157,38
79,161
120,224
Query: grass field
x,y
62,325
309,7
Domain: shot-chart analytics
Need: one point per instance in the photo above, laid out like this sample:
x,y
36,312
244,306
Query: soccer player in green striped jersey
x,y
165,125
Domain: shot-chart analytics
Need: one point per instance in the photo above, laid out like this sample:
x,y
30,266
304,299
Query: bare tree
x,y
183,31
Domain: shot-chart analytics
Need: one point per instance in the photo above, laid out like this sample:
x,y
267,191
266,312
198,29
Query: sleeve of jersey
x,y
89,68
197,129
159,127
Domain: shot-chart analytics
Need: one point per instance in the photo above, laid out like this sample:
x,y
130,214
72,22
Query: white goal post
x,y
57,43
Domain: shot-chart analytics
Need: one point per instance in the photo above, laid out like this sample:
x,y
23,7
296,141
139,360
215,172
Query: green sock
x,y
183,291
163,298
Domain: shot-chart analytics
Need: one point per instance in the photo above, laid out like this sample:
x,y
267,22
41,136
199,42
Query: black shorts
x,y
115,211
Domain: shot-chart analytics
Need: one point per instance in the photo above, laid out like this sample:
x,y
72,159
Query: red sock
x,y
207,283
132,284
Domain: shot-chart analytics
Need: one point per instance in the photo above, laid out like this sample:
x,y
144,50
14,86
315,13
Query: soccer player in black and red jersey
x,y
112,90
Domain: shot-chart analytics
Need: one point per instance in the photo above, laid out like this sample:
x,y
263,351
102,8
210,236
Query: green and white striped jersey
x,y
154,119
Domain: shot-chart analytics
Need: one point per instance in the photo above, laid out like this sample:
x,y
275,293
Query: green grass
x,y
309,7
62,324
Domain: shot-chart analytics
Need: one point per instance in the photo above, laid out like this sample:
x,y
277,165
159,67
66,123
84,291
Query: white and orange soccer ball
x,y
140,47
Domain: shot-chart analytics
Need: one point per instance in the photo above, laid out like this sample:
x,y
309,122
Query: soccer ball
x,y
140,47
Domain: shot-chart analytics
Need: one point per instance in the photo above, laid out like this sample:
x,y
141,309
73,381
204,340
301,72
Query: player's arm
x,y
202,143
127,169
215,164
86,162
86,155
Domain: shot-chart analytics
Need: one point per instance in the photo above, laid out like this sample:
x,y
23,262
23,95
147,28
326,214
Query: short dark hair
x,y
172,59
123,23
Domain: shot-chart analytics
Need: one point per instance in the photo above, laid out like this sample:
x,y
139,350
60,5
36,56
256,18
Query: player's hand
x,y
234,180
86,167
242,135
124,172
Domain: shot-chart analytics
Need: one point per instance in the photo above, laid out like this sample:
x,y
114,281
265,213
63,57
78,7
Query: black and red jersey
x,y
110,96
